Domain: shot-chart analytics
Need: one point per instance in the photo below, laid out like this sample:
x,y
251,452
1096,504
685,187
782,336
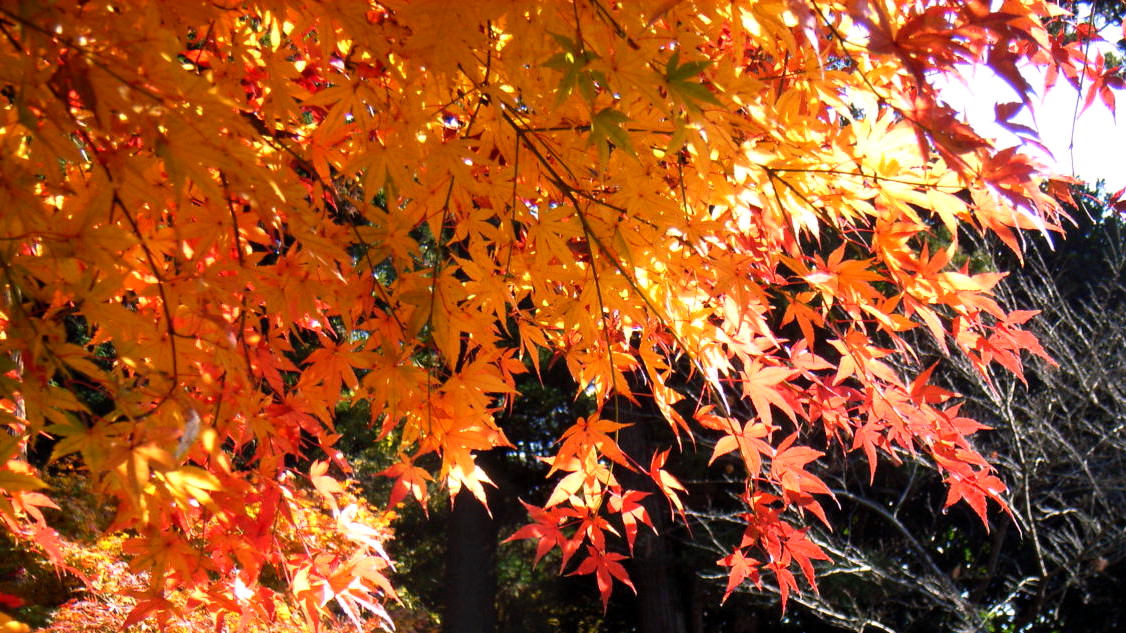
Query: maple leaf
x,y
975,489
546,530
680,79
749,440
19,482
787,466
593,432
742,568
606,128
669,486
606,569
627,504
408,479
334,365
326,486
760,385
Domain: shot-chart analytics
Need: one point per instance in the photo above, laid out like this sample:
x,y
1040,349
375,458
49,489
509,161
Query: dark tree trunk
x,y
696,609
660,600
661,594
471,578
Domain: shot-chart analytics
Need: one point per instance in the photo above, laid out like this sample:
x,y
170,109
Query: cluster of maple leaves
x,y
218,222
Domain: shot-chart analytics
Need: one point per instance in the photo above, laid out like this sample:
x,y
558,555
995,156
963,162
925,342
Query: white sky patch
x,y
1095,149
1098,148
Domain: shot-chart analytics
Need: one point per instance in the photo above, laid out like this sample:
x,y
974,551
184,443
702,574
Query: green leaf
x,y
670,66
9,444
679,136
688,71
560,61
19,482
566,86
607,126
680,78
587,86
676,72
573,62
73,436
693,93
567,43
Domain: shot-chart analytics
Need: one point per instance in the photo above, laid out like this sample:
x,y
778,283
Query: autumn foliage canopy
x,y
218,220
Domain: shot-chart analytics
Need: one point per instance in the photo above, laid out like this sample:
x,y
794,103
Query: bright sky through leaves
x,y
1092,151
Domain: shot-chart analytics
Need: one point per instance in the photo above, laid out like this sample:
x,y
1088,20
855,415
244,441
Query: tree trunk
x,y
660,600
653,567
471,578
